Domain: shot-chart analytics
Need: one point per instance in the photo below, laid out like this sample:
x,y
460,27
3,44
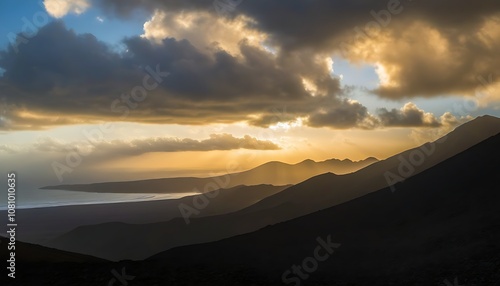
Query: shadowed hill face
x,y
446,216
274,173
30,253
317,193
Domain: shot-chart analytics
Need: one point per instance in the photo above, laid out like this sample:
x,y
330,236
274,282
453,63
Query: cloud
x,y
424,60
244,66
162,144
218,32
448,123
60,8
141,146
421,49
269,119
488,94
58,72
15,117
322,21
348,115
9,149
409,116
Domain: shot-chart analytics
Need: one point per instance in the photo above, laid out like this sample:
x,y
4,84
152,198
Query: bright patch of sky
x,y
355,74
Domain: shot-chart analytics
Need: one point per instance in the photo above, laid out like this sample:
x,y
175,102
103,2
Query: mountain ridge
x,y
447,215
316,193
273,172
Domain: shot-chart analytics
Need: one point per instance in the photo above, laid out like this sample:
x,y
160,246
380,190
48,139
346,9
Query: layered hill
x,y
43,224
314,194
442,223
273,173
441,227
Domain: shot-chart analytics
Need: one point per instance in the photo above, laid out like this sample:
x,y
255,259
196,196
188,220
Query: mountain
x,y
330,189
441,227
38,265
441,223
273,173
43,224
314,194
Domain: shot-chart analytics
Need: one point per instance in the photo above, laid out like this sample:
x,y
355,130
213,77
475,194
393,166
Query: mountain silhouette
x,y
314,194
440,223
273,173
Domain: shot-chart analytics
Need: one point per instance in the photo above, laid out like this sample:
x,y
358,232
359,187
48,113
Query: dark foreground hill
x,y
28,252
441,224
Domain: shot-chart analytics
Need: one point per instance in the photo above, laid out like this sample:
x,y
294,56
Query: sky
x,y
105,90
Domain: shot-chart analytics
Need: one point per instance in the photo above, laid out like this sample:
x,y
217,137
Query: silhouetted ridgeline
x,y
439,225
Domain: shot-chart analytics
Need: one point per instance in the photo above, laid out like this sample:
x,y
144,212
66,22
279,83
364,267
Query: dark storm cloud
x,y
414,60
218,76
344,116
60,70
314,23
59,77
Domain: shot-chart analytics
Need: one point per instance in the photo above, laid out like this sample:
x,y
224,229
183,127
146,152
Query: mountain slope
x,y
331,189
441,223
29,253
